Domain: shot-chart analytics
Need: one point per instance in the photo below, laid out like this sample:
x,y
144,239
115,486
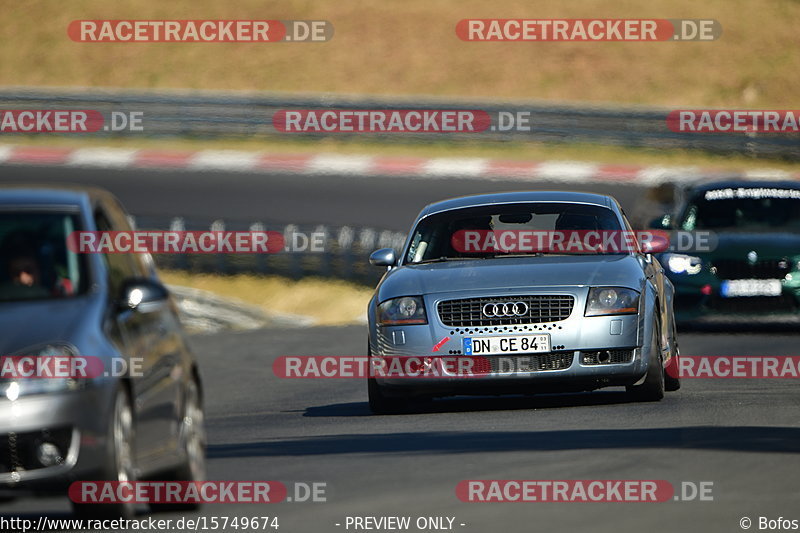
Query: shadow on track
x,y
741,328
723,438
483,403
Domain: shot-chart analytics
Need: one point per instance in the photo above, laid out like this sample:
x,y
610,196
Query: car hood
x,y
766,245
25,324
512,272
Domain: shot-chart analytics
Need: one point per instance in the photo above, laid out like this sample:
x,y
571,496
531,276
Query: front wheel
x,y
652,389
380,404
193,449
672,381
119,464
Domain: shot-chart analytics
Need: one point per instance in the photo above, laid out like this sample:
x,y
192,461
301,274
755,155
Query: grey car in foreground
x,y
141,417
544,321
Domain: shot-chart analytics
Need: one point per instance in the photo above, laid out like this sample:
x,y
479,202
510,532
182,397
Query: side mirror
x,y
385,257
662,222
142,294
656,245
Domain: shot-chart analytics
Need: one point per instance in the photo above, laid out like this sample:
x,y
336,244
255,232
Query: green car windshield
x,y
757,209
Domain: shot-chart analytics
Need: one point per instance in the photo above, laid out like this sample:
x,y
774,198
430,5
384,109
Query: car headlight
x,y
680,263
402,311
612,301
13,386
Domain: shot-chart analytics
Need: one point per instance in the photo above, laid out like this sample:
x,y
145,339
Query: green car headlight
x,y
680,264
612,301
402,311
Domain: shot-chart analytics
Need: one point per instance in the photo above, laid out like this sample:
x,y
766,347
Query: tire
x,y
119,464
673,382
381,404
652,389
193,449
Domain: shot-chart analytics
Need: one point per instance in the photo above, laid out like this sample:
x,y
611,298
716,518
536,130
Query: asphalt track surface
x,y
742,435
380,202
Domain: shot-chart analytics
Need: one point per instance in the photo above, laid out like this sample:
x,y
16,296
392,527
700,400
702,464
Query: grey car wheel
x,y
119,459
194,431
380,404
652,389
672,380
192,436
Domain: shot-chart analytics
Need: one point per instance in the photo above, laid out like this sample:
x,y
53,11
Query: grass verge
x,y
329,302
411,47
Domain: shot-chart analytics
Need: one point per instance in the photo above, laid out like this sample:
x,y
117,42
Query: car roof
x,y
747,184
51,194
519,197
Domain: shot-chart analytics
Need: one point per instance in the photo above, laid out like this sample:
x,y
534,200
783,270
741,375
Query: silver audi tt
x,y
475,304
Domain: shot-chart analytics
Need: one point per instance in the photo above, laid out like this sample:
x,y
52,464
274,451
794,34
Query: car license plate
x,y
506,345
735,288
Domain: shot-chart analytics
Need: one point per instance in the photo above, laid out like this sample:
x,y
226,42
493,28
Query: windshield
x,y
752,209
448,235
34,260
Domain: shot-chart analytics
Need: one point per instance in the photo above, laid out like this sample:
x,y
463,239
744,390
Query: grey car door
x,y
138,334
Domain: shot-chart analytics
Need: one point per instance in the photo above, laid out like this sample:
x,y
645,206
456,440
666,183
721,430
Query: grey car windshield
x,y
35,262
744,209
433,238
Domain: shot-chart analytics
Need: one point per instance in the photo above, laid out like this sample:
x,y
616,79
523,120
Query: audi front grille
x,y
505,310
523,364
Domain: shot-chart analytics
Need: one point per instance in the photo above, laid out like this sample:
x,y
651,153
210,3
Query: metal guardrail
x,y
343,255
218,115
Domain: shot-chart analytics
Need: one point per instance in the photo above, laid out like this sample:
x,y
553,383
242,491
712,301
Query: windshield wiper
x,y
531,254
442,260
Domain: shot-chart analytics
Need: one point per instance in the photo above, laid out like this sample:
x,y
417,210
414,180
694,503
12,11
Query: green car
x,y
735,252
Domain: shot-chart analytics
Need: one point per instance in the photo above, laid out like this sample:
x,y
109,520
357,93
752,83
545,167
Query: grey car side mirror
x,y
384,257
142,294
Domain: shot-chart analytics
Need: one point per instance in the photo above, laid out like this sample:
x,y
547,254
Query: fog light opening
x,y
49,454
604,356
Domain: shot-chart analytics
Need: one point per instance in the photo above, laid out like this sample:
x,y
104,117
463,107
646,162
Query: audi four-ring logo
x,y
505,309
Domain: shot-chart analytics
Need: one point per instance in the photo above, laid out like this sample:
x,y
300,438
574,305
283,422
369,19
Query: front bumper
x,y
698,301
76,422
578,360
